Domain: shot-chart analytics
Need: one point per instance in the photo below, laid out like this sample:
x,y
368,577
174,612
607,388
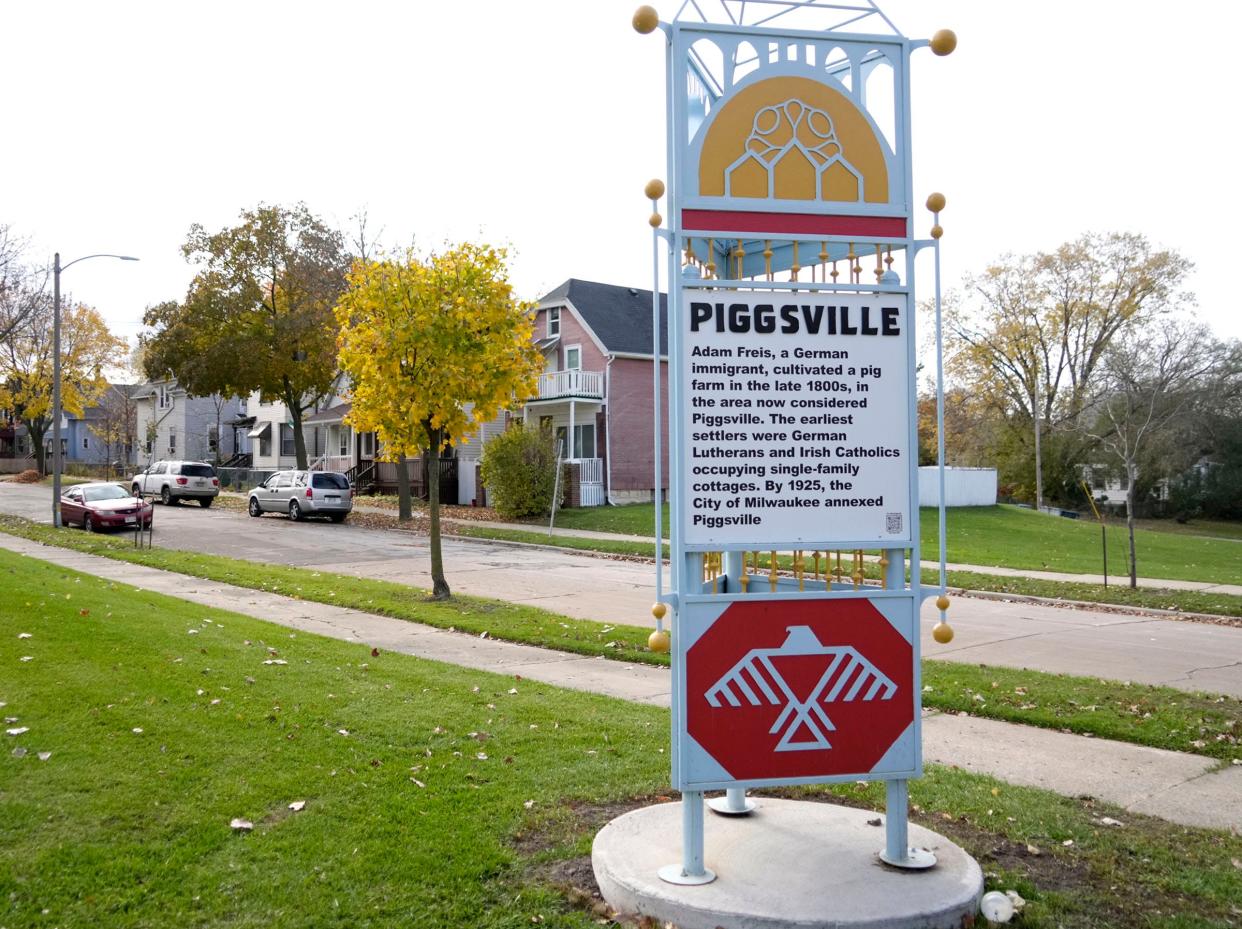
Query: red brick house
x,y
596,388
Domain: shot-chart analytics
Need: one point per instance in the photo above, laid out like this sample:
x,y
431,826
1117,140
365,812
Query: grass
x,y
1152,598
406,822
1013,537
1161,717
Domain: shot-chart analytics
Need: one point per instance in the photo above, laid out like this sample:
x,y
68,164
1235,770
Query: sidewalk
x,y
1115,580
1186,789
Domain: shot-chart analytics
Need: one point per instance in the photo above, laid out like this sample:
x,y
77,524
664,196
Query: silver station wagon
x,y
304,493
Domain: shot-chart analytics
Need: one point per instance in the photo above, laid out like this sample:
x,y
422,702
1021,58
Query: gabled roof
x,y
620,317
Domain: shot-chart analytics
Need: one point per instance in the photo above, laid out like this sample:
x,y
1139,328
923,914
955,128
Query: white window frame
x,y
577,365
554,321
343,441
172,440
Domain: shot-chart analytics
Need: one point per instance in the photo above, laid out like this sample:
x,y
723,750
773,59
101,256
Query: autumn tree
x,y
26,367
1030,333
433,346
258,315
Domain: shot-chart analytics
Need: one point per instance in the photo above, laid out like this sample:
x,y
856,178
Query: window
x,y
287,446
584,441
197,470
344,442
172,441
573,358
165,400
213,437
265,443
330,481
554,321
86,442
368,445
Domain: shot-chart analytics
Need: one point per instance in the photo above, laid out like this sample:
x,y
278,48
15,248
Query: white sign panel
x,y
796,413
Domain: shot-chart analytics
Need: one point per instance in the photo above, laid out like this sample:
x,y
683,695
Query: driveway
x,y
1016,634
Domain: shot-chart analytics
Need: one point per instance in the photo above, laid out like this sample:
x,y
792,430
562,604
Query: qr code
x,y
894,523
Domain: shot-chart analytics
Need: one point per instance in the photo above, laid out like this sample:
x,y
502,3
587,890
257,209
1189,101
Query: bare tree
x,y
1147,381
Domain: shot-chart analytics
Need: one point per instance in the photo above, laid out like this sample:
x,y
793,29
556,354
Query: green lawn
x,y
1160,717
1013,537
434,796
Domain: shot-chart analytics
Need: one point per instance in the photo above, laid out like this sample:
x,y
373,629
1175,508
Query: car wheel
x,y
166,497
254,508
205,502
295,511
339,517
87,523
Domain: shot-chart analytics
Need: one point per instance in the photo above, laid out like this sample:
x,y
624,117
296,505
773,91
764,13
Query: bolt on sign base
x,y
790,863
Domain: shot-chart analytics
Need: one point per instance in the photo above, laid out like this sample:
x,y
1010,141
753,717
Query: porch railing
x,y
571,383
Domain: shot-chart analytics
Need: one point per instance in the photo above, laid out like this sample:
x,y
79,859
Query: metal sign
x,y
782,691
792,408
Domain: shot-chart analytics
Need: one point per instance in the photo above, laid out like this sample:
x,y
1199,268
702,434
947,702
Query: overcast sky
x,y
537,124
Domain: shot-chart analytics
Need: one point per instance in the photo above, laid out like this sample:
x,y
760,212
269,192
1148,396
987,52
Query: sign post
x,y
790,241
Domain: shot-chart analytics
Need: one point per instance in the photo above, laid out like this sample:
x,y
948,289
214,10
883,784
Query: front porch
x,y
579,426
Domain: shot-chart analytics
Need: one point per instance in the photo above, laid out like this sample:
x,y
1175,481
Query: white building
x,y
170,424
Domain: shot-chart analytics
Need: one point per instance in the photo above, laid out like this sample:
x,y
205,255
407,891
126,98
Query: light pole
x,y
56,411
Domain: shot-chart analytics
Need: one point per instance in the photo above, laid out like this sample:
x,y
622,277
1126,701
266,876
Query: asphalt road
x,y
1015,634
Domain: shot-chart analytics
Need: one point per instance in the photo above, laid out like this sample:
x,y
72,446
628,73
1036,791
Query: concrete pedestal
x,y
788,864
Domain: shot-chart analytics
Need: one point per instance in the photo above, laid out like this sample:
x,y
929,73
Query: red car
x,y
103,506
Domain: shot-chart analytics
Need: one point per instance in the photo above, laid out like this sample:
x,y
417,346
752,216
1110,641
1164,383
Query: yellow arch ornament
x,y
793,138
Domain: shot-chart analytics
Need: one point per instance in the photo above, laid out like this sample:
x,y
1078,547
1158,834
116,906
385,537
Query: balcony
x,y
573,383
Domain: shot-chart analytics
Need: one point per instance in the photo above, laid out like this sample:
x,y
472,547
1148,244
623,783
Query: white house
x,y
171,424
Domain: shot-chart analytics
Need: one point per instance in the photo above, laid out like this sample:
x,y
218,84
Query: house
x,y
171,424
596,388
16,454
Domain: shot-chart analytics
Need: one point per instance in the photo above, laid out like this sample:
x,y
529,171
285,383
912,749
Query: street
x,y
1117,646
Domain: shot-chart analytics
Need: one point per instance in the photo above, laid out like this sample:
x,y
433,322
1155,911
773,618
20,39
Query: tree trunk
x,y
299,440
439,586
1039,463
36,445
404,511
1131,477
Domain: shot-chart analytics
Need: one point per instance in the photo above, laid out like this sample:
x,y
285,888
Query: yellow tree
x,y
433,346
87,347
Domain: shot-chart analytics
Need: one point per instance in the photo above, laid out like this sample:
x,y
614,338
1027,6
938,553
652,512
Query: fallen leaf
x,y
27,657
1068,842
417,782
512,690
20,730
1109,821
191,632
375,653
84,612
137,730
297,806
343,731
240,825
44,756
19,752
25,635
530,803
874,822
482,756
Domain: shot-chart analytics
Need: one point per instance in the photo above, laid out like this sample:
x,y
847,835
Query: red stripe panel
x,y
889,227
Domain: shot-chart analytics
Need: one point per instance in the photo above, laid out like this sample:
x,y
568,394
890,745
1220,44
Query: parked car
x,y
103,505
302,494
174,481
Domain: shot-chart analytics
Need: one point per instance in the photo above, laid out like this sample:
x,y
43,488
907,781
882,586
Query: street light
x,y
56,412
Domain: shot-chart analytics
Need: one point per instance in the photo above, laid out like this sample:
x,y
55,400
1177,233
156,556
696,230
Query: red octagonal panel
x,y
799,688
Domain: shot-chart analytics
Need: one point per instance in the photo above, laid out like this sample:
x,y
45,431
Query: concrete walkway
x,y
1114,580
1187,789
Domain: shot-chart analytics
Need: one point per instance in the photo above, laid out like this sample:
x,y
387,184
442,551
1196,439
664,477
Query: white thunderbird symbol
x,y
754,679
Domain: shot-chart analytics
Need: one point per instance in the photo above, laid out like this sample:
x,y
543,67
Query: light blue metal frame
x,y
686,126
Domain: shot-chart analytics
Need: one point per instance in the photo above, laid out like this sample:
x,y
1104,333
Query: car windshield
x,y
331,481
104,492
198,470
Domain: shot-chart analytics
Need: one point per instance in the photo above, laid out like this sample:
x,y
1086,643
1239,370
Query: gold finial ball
x,y
655,220
937,231
935,202
658,641
942,632
942,43
646,19
654,189
659,610
942,602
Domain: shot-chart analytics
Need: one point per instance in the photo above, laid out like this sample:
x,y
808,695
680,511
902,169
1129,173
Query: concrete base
x,y
789,864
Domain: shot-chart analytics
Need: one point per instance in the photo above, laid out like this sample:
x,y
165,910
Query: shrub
x,y
519,471
29,476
